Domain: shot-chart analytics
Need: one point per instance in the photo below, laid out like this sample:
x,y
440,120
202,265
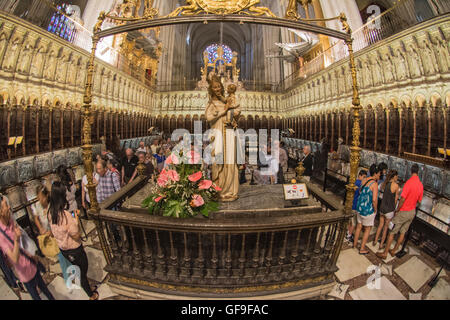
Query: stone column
x,y
400,131
61,125
50,125
71,127
332,130
414,109
387,130
375,114
38,114
444,114
365,128
428,106
23,128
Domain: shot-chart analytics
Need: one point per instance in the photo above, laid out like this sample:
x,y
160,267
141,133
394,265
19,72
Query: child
x,y
362,175
230,102
160,158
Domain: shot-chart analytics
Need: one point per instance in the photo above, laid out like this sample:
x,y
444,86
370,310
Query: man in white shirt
x,y
141,148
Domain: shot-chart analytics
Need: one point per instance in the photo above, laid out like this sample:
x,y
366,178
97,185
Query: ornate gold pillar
x,y
355,149
86,140
387,130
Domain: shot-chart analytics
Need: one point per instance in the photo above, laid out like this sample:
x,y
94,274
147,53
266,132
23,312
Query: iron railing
x,y
246,255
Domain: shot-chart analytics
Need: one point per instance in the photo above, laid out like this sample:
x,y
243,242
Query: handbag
x,y
26,243
48,245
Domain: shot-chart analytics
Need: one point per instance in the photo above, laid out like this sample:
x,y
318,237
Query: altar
x,y
253,247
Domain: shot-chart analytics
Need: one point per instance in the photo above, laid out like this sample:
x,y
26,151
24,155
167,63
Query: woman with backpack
x,y
65,228
367,207
391,193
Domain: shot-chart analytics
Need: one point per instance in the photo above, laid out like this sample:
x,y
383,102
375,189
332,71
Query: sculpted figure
x,y
429,60
415,62
388,69
401,65
225,173
442,54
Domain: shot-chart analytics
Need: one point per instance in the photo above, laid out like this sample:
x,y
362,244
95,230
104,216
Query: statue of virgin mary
x,y
225,171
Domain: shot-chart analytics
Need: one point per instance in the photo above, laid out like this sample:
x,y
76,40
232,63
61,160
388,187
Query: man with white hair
x,y
307,162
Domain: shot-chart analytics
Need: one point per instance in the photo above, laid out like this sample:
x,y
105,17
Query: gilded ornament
x,y
194,7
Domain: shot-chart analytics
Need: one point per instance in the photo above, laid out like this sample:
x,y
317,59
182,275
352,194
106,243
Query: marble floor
x,y
396,279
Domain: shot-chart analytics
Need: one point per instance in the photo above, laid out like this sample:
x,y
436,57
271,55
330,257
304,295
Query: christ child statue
x,y
230,105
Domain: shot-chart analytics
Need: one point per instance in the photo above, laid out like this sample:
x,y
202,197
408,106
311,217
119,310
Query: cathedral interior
x,y
357,82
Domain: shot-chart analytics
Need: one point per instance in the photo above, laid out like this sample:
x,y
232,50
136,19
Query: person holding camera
x,y
64,227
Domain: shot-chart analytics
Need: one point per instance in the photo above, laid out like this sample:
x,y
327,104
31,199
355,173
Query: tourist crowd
x,y
56,218
378,192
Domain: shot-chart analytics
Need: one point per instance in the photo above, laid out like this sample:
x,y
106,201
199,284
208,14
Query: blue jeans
x,y
64,263
36,282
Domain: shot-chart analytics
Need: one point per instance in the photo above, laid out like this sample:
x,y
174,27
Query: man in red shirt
x,y
406,210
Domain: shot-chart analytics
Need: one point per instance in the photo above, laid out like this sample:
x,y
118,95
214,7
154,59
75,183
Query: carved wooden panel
x,y
44,130
8,174
43,164
25,169
433,179
30,130
56,129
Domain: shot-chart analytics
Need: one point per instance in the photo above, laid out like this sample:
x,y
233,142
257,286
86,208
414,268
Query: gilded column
x,y
355,148
387,129
86,140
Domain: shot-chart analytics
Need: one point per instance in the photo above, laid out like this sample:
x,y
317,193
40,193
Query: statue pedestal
x,y
254,247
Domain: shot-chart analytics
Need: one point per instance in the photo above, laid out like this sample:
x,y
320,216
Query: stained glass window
x,y
213,52
61,25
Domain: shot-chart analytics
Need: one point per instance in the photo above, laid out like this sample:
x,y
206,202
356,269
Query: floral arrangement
x,y
181,190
